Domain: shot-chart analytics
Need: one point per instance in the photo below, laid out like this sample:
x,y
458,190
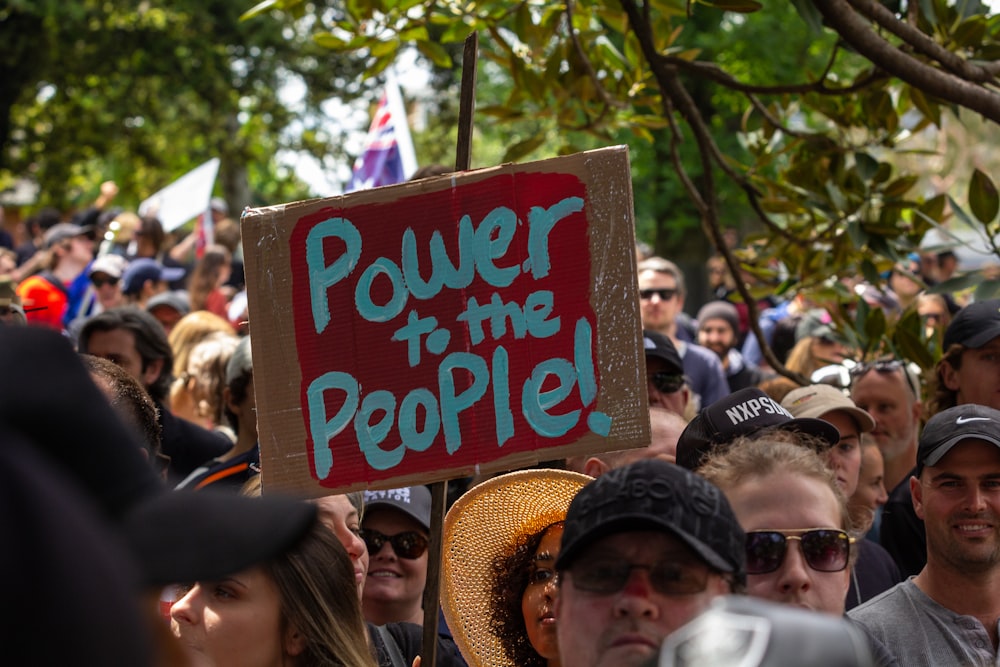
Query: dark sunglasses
x,y
884,366
609,577
409,544
101,282
665,293
824,549
667,383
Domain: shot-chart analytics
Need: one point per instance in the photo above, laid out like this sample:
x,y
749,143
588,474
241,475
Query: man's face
x,y
659,310
675,401
717,336
978,378
118,346
791,504
959,501
625,627
887,398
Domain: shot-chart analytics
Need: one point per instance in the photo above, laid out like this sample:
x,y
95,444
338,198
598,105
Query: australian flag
x,y
388,156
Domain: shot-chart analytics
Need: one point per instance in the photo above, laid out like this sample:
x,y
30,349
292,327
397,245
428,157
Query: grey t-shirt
x,y
919,631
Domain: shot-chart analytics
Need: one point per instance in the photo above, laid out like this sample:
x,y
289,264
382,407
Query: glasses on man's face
x,y
409,544
824,549
665,293
667,383
98,281
606,577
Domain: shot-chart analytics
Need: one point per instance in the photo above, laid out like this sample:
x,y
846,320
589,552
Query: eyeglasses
x,y
824,549
609,577
667,383
409,544
910,371
101,282
665,293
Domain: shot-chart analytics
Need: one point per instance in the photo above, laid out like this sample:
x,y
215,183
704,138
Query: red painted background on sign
x,y
365,350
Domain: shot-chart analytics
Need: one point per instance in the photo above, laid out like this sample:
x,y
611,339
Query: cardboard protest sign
x,y
428,330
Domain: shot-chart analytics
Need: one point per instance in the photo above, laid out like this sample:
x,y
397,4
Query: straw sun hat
x,y
483,524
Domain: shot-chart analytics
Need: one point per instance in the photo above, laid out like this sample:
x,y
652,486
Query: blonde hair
x,y
747,459
191,330
319,600
207,374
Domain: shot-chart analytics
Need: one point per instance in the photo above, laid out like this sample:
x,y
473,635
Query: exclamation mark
x,y
583,359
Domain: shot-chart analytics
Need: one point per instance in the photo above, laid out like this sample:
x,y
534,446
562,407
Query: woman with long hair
x,y
299,609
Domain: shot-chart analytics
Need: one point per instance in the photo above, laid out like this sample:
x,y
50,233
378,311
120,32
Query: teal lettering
x,y
537,308
419,441
411,332
536,403
322,431
370,436
541,221
501,396
443,271
322,276
452,404
367,308
488,249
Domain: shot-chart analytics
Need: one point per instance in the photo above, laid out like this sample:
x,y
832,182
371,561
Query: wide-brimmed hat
x,y
484,524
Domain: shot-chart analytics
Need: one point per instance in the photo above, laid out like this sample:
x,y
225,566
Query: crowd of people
x,y
866,501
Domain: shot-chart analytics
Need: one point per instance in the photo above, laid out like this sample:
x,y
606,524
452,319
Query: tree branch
x,y
921,43
676,96
858,33
587,66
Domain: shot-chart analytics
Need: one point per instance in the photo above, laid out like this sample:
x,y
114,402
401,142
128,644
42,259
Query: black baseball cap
x,y
188,536
742,413
655,495
974,325
950,427
659,346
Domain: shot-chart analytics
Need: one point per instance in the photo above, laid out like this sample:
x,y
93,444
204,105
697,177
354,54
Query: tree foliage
x,y
812,150
142,92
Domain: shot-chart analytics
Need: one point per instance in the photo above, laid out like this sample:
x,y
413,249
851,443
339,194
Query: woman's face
x,y
538,600
235,621
392,579
338,514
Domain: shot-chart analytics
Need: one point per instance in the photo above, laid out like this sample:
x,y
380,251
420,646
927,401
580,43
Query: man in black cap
x,y
46,295
948,614
645,548
744,413
666,384
969,369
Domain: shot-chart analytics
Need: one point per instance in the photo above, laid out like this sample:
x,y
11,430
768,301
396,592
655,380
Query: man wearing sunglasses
x,y
665,381
661,305
395,529
948,614
645,549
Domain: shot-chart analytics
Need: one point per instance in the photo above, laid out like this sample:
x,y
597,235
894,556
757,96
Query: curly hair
x,y
511,572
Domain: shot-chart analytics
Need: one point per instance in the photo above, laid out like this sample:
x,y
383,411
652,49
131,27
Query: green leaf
x,y
989,289
522,148
867,165
983,198
958,284
435,53
258,9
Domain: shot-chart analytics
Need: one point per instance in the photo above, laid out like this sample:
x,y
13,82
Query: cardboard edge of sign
x,y
614,298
